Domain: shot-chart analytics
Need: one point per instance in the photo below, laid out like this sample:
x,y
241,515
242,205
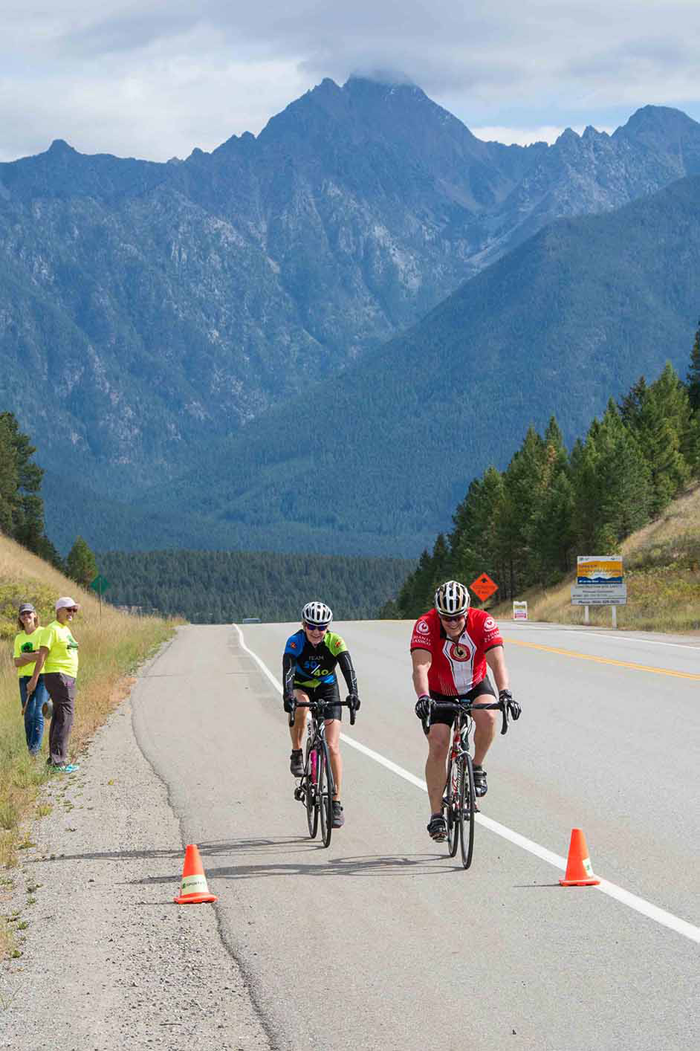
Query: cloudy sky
x,y
155,78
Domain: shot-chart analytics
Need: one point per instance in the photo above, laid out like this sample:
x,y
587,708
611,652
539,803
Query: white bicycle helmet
x,y
317,614
452,599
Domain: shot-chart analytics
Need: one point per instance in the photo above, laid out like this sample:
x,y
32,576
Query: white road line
x,y
653,912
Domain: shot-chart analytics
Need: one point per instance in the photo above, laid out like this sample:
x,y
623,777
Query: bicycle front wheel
x,y
467,810
325,794
451,806
311,786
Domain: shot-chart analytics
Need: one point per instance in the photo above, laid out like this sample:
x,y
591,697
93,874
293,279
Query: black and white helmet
x,y
452,599
318,614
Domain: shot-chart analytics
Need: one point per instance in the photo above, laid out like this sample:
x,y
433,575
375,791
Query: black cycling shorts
x,y
446,717
325,691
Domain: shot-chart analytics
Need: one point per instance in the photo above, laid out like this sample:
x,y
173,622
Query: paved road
x,y
381,940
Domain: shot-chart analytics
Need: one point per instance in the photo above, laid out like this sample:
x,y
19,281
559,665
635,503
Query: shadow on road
x,y
312,860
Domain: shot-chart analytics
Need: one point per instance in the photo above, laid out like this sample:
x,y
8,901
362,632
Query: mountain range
x,y
377,460
192,345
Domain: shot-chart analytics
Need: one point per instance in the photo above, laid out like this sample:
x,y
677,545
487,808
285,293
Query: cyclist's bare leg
x,y
485,727
436,764
296,732
333,742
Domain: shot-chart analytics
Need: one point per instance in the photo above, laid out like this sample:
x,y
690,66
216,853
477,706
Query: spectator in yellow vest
x,y
26,651
58,659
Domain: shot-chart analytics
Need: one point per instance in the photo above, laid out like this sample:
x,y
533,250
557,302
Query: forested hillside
x,y
557,327
217,587
525,526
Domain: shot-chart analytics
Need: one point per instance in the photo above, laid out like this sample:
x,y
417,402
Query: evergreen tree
x,y
663,430
476,540
693,377
523,483
550,527
80,563
631,405
26,506
613,488
47,551
8,476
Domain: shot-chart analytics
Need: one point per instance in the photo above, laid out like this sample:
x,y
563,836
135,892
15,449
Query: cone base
x,y
195,899
593,882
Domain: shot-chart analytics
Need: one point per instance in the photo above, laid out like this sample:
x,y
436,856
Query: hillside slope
x,y
375,461
662,571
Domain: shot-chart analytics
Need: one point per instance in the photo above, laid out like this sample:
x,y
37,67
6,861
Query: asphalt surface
x,y
381,940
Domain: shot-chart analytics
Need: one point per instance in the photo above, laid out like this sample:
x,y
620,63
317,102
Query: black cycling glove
x,y
513,706
422,708
288,703
354,701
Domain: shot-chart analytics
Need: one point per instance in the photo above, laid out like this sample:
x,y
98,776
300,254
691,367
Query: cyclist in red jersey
x,y
452,648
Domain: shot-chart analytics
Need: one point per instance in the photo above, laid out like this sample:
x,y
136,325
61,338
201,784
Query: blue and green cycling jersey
x,y
314,664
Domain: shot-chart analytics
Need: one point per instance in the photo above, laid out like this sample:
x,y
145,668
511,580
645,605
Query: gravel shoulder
x,y
108,961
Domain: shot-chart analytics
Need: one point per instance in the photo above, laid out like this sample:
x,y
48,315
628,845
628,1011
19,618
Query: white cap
x,y
66,603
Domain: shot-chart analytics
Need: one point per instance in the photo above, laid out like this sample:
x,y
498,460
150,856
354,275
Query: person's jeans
x,y
33,715
62,692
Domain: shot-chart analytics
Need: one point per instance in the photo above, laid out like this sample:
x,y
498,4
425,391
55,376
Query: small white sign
x,y
520,611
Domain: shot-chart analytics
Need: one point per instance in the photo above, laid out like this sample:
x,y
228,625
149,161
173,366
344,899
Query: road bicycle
x,y
460,801
316,787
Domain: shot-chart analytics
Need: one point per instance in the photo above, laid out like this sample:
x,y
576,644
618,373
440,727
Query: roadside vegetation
x,y
112,645
617,489
662,572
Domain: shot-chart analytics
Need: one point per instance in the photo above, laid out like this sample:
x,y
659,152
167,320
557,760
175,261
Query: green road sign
x,y
99,584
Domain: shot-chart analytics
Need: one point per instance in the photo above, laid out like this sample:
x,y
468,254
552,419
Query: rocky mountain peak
x,y
60,146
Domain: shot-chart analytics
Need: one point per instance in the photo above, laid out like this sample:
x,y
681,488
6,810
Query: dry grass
x,y
112,645
662,570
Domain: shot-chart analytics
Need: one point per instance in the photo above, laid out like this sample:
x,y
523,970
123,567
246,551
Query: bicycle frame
x,y
461,730
459,800
316,736
316,788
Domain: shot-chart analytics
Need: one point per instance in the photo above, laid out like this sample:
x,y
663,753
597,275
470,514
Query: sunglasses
x,y
70,609
316,627
458,617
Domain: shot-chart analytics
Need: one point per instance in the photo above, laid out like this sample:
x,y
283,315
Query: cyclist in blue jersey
x,y
308,671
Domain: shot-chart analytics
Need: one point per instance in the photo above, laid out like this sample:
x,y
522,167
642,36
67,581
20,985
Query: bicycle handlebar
x,y
466,707
316,707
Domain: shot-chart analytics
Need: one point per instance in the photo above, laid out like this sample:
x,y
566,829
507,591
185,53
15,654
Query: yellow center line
x,y
605,660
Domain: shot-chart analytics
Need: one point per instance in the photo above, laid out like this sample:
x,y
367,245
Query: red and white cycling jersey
x,y
457,666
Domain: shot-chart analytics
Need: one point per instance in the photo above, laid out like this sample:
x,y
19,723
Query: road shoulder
x,y
108,961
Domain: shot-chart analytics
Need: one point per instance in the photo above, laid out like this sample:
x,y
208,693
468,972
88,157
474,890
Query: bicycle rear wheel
x,y
311,785
325,794
467,810
451,804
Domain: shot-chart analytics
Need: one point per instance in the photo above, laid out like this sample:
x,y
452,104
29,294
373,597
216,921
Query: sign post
x,y
100,585
600,581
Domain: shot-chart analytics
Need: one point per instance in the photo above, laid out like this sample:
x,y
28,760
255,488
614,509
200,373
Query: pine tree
x,y
26,507
8,476
80,563
613,488
693,377
475,540
663,430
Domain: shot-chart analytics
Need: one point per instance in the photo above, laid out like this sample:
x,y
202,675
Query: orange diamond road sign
x,y
483,586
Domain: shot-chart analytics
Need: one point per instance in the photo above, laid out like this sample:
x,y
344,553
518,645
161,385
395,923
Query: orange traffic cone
x,y
194,888
579,871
